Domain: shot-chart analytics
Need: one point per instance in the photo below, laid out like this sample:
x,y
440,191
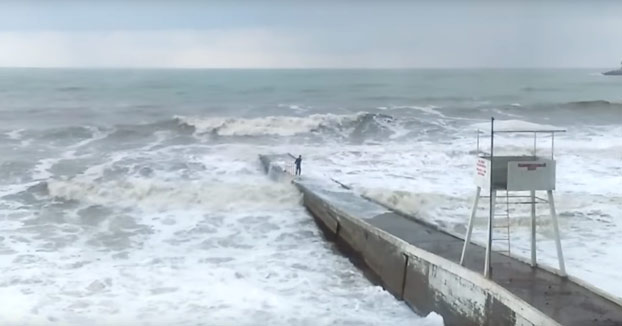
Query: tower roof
x,y
518,126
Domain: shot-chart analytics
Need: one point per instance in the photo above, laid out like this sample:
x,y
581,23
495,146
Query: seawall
x,y
418,264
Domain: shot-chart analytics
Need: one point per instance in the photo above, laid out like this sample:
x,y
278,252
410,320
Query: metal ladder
x,y
501,225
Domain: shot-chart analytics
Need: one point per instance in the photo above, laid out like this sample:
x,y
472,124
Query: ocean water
x,y
136,195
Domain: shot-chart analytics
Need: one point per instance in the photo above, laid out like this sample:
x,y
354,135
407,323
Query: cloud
x,y
176,48
374,35
243,48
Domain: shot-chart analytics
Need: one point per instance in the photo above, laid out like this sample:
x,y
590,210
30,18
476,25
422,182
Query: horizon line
x,y
297,68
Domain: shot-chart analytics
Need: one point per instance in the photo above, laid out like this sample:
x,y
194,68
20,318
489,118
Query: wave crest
x,y
594,104
152,194
285,125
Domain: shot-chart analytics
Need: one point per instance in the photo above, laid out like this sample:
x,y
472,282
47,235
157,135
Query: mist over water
x,y
138,195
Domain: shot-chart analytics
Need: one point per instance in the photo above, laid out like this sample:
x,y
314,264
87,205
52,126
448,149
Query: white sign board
x,y
531,175
482,173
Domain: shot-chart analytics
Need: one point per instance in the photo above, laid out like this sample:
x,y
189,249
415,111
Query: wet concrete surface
x,y
563,300
559,298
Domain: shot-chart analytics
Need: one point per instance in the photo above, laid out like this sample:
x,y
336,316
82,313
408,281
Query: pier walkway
x,y
559,298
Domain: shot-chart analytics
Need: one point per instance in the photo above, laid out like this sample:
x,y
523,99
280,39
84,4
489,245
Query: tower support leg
x,y
493,203
533,229
467,238
560,254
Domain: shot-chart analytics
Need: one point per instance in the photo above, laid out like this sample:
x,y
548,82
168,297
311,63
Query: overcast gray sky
x,y
306,34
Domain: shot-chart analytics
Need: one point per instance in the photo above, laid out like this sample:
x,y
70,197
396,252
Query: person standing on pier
x,y
298,162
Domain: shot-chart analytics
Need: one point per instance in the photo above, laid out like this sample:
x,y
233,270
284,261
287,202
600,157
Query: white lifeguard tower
x,y
513,175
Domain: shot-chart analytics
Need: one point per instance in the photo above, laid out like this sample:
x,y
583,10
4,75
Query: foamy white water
x,y
133,240
137,195
274,125
588,197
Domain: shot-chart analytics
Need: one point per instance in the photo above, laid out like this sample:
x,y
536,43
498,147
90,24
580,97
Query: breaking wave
x,y
152,194
593,104
357,127
287,125
426,206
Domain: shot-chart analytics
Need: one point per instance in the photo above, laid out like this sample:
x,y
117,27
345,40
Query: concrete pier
x,y
419,264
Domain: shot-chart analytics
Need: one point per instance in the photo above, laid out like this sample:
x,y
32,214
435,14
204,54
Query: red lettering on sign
x,y
481,167
531,166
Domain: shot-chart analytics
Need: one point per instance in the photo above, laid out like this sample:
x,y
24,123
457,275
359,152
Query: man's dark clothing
x,y
298,162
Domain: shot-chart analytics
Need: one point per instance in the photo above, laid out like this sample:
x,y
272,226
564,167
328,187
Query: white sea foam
x,y
506,113
41,170
427,206
434,181
274,125
509,125
224,245
295,107
175,232
429,109
15,134
163,195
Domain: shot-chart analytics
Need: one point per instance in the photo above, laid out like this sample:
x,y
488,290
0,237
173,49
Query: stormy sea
x,y
137,196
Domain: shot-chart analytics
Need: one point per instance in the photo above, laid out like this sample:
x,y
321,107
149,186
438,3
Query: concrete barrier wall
x,y
425,281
